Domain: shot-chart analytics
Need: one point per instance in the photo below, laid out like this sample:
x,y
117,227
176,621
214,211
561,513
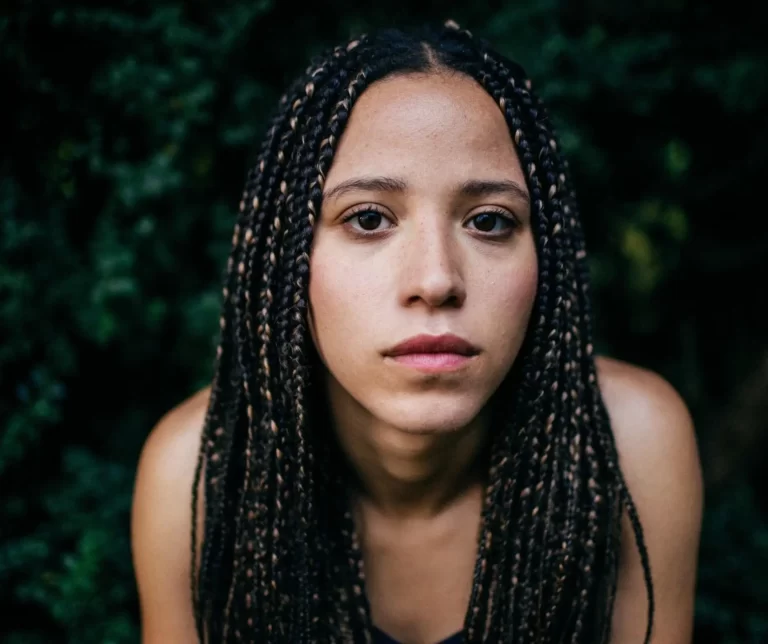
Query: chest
x,y
419,580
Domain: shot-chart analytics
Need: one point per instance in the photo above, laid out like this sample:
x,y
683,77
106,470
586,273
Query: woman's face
x,y
435,238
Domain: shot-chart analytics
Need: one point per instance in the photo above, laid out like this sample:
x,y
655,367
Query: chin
x,y
429,429
439,417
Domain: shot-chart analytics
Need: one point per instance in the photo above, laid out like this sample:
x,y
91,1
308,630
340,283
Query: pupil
x,y
488,219
369,218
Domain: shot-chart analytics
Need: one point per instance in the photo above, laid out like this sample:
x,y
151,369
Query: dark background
x,y
128,127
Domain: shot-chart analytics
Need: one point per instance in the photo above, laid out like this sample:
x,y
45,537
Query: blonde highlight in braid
x,y
281,559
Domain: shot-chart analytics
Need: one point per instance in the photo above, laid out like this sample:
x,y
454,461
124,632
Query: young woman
x,y
408,437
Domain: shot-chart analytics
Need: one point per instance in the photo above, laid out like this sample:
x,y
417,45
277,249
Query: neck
x,y
404,475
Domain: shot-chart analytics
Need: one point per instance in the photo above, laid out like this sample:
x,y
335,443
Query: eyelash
x,y
500,214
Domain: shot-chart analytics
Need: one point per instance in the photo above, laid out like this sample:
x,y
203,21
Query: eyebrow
x,y
469,188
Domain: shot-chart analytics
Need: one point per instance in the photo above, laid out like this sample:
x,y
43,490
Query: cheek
x,y
522,287
512,294
343,304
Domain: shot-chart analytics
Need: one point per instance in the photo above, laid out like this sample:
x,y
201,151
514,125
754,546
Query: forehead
x,y
435,122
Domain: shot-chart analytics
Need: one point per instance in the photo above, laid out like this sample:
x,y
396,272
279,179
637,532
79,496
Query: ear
x,y
311,324
315,349
313,331
315,355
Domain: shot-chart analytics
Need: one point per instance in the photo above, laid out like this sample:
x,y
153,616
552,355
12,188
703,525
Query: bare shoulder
x,y
178,430
655,438
659,458
168,458
650,420
161,521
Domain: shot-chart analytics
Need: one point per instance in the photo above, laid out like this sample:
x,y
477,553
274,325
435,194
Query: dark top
x,y
380,637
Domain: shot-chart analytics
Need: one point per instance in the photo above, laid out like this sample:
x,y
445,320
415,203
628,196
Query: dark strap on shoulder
x,y
380,637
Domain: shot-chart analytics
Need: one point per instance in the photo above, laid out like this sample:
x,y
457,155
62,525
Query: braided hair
x,y
280,558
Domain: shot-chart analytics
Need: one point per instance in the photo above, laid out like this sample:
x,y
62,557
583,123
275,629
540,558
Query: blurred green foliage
x,y
128,131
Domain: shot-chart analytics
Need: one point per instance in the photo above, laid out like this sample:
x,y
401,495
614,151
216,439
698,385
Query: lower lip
x,y
433,362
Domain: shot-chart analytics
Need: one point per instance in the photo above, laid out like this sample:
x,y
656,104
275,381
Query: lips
x,y
447,343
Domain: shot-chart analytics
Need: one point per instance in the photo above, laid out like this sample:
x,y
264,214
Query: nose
x,y
430,266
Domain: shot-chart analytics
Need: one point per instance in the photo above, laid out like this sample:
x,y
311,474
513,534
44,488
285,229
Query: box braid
x,y
281,559
559,171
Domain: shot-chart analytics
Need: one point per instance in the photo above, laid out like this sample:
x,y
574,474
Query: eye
x,y
369,219
486,222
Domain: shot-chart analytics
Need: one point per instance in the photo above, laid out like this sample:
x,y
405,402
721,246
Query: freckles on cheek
x,y
528,284
334,292
515,294
321,293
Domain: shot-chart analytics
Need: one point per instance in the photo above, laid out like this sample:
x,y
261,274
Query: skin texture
x,y
412,438
428,267
659,456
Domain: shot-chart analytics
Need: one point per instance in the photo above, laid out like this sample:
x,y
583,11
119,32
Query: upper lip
x,y
447,343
